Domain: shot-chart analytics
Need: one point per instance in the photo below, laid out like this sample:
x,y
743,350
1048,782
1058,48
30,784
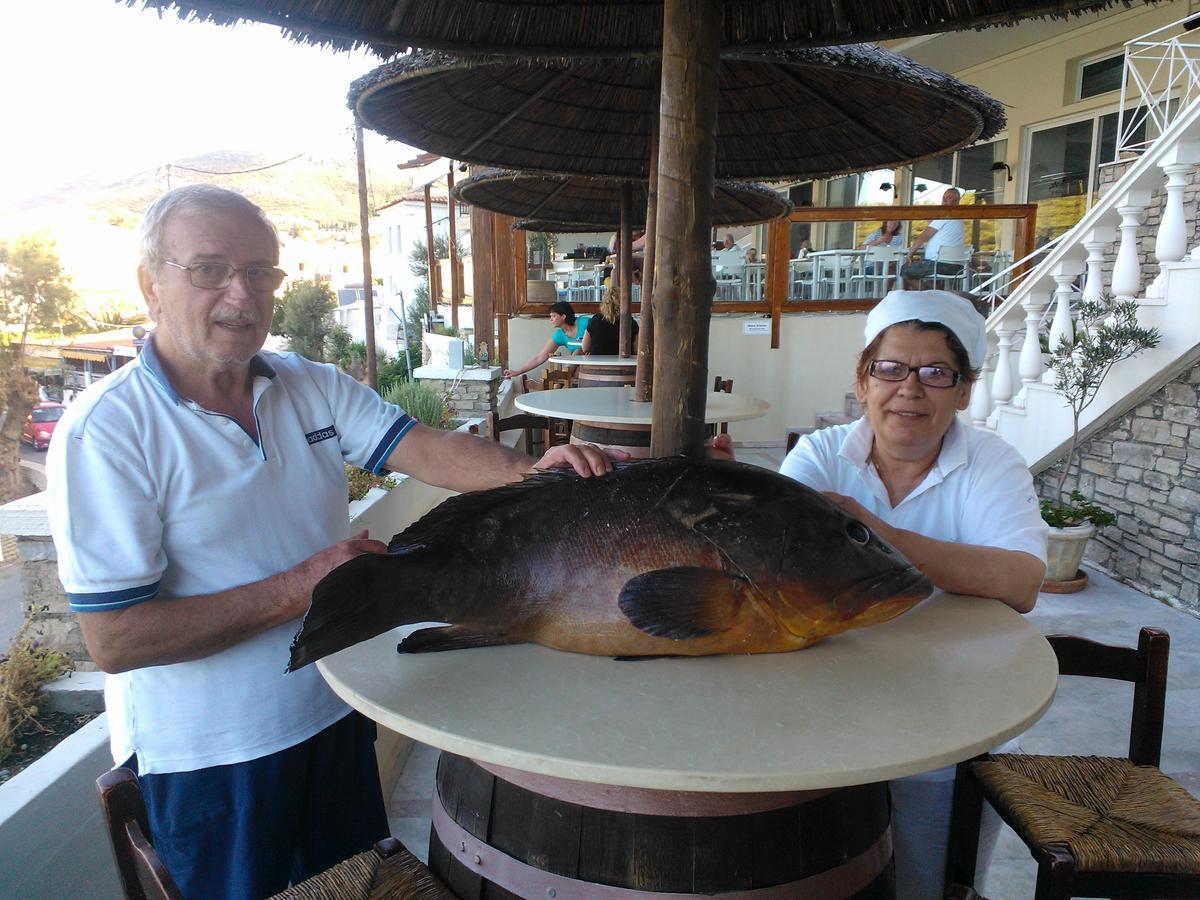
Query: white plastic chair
x,y
952,256
878,273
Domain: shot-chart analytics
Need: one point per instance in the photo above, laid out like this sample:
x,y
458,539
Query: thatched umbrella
x,y
802,113
787,114
692,33
609,27
584,203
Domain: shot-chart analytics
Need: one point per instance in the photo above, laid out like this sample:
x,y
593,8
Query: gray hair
x,y
205,197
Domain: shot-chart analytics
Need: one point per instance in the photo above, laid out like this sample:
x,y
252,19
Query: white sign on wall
x,y
756,326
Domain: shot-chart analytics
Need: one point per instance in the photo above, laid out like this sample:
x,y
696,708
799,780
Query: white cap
x,y
943,307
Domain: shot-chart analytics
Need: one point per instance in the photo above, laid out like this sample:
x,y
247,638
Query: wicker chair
x,y
387,871
1097,826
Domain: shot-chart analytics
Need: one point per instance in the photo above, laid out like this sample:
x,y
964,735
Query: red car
x,y
39,424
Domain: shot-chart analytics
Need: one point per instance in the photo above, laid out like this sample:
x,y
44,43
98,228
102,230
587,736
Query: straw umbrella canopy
x,y
803,113
584,203
608,27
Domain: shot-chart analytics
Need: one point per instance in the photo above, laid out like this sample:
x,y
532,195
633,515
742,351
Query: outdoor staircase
x,y
1103,254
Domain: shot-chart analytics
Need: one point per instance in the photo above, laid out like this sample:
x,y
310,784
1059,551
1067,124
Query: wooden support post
x,y
455,275
435,290
643,389
483,272
368,294
625,247
683,279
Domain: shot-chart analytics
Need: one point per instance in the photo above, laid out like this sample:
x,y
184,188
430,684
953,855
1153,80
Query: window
x,y
1099,76
1064,164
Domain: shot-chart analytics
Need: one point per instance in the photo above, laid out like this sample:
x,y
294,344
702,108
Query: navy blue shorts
x,y
249,829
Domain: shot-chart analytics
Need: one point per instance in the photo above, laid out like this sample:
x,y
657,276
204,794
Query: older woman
x,y
958,502
568,332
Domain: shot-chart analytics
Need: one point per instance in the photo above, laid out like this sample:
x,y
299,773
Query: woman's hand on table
x,y
720,447
586,459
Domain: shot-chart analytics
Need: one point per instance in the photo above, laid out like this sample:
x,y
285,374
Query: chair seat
x,y
366,876
1111,815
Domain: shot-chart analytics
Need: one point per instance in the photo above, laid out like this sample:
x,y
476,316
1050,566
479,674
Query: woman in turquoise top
x,y
568,332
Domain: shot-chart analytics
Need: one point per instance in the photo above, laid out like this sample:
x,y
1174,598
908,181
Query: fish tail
x,y
361,598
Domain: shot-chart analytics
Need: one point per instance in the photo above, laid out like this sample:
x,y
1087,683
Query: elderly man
x,y
939,233
196,497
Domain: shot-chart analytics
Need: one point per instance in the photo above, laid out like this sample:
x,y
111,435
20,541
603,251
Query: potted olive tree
x,y
1105,334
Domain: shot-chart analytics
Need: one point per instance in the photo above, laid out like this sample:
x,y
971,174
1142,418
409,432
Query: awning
x,y
85,355
43,363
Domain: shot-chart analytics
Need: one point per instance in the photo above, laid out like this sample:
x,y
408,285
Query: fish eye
x,y
858,532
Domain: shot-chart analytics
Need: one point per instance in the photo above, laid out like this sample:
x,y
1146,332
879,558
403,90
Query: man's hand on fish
x,y
320,564
586,459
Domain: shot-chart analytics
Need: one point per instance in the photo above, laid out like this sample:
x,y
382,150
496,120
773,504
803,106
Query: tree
x,y
302,315
35,293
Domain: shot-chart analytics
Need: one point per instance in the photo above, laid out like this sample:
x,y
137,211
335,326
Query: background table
x,y
611,417
950,679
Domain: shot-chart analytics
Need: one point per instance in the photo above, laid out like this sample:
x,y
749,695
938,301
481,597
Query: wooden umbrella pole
x,y
434,289
643,389
364,216
683,278
625,248
455,285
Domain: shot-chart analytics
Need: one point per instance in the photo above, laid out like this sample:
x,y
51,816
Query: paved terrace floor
x,y
1088,716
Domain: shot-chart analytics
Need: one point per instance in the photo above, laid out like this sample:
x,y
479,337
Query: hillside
x,y
93,222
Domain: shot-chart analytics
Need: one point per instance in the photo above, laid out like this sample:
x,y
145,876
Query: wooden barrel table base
x,y
494,837
633,439
606,376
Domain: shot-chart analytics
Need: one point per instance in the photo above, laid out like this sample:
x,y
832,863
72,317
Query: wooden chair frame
x,y
144,875
1146,668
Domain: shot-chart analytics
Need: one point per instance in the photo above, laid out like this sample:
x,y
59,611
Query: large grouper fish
x,y
668,557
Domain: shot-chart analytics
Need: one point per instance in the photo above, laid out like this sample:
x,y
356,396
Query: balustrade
x,y
1127,270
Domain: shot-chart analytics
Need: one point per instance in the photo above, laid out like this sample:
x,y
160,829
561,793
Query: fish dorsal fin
x,y
682,602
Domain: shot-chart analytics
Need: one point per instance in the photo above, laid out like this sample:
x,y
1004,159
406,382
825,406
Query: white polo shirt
x,y
948,233
978,492
151,496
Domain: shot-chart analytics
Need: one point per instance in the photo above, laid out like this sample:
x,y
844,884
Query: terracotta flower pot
x,y
1065,551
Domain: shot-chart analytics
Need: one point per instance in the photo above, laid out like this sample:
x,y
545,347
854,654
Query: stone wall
x,y
471,393
1145,467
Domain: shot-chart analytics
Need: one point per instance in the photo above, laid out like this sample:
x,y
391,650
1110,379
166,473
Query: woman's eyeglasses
x,y
930,376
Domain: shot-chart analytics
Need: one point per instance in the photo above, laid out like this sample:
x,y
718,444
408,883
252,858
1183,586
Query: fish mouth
x,y
884,597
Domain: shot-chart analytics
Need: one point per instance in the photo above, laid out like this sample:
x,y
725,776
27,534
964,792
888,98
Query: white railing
x,y
1165,68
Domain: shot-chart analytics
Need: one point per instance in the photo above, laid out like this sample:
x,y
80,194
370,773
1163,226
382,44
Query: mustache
x,y
248,317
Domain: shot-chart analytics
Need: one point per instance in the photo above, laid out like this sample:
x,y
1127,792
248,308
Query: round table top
x,y
582,360
616,405
950,679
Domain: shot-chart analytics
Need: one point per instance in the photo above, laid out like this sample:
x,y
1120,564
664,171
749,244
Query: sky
x,y
93,87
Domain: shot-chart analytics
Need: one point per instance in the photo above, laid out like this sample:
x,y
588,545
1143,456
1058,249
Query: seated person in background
x,y
568,332
939,233
728,243
805,248
886,235
602,336
752,256
612,262
639,241
957,501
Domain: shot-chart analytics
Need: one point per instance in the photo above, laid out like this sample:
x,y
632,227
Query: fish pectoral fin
x,y
683,602
451,637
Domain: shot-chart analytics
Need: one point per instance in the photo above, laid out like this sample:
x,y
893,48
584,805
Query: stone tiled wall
x,y
1145,467
469,397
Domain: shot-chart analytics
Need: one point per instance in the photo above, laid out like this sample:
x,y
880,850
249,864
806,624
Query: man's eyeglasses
x,y
215,276
930,376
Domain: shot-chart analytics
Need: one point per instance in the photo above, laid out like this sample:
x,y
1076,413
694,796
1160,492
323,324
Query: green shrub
x,y
422,403
362,481
23,674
